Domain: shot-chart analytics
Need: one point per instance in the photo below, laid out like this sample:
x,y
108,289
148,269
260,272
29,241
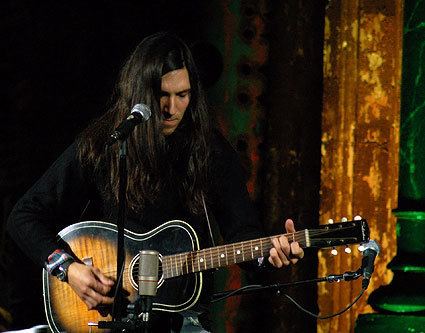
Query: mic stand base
x,y
137,320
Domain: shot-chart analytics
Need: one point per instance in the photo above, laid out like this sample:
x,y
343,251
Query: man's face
x,y
175,97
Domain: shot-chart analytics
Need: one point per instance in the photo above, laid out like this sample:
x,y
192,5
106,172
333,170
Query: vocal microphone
x,y
371,250
148,280
139,113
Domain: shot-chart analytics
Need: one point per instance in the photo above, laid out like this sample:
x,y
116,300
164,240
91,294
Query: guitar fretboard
x,y
220,256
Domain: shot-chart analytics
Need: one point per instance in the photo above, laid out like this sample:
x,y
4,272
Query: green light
x,y
402,303
402,308
413,269
410,215
410,230
376,323
412,122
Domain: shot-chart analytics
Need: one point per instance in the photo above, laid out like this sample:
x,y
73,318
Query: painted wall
x,y
360,139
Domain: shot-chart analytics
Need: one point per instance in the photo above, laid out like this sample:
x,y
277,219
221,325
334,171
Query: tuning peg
x,y
357,218
347,249
344,219
361,248
330,221
334,252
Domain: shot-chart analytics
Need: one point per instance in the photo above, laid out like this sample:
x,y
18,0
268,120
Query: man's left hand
x,y
283,252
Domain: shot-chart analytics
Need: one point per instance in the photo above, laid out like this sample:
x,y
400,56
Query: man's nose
x,y
171,105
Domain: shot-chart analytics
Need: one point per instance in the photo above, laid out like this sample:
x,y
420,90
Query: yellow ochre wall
x,y
360,142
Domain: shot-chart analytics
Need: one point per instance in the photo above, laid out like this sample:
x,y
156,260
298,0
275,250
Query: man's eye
x,y
184,94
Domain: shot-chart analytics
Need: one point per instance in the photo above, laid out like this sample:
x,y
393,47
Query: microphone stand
x,y
117,322
347,276
139,113
143,304
121,219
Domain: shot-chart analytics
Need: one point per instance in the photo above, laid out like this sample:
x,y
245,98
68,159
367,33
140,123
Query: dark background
x,y
58,68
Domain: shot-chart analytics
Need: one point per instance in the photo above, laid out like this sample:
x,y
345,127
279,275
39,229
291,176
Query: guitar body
x,y
95,244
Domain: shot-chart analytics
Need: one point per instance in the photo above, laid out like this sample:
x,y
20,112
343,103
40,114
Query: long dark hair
x,y
152,156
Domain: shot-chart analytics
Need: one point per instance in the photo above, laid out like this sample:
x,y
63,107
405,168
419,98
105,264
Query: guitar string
x,y
175,261
232,257
194,265
297,236
175,268
237,246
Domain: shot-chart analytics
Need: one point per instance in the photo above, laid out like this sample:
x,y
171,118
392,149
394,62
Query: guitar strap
x,y
84,211
208,220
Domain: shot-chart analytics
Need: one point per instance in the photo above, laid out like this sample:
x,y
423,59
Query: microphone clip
x,y
371,250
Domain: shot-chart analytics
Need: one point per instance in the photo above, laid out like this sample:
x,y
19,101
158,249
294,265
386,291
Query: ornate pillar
x,y
362,59
403,300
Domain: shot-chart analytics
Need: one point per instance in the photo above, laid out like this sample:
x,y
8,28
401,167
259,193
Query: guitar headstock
x,y
340,233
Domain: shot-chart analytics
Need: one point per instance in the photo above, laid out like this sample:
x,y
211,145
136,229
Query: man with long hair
x,y
178,168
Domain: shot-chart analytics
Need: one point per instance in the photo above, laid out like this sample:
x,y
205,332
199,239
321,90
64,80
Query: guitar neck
x,y
335,234
220,256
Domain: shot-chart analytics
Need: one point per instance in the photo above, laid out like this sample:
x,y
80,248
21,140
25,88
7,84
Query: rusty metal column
x,y
401,304
362,61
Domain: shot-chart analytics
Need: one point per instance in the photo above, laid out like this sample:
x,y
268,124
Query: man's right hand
x,y
90,284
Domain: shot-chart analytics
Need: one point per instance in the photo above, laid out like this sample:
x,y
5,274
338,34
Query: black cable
x,y
236,291
327,316
255,287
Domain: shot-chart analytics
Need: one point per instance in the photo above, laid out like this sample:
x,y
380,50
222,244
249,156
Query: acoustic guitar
x,y
181,264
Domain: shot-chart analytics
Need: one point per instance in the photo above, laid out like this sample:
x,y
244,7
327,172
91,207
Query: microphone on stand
x,y
138,114
371,250
147,280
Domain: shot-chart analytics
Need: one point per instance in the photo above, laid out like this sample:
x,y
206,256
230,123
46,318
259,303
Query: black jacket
x,y
68,193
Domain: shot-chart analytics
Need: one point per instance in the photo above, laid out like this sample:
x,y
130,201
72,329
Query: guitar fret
x,y
261,246
170,264
177,268
181,263
165,266
243,252
212,261
189,262
187,265
221,256
225,251
252,253
201,259
192,267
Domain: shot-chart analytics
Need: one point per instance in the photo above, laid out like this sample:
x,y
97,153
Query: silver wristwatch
x,y
62,271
